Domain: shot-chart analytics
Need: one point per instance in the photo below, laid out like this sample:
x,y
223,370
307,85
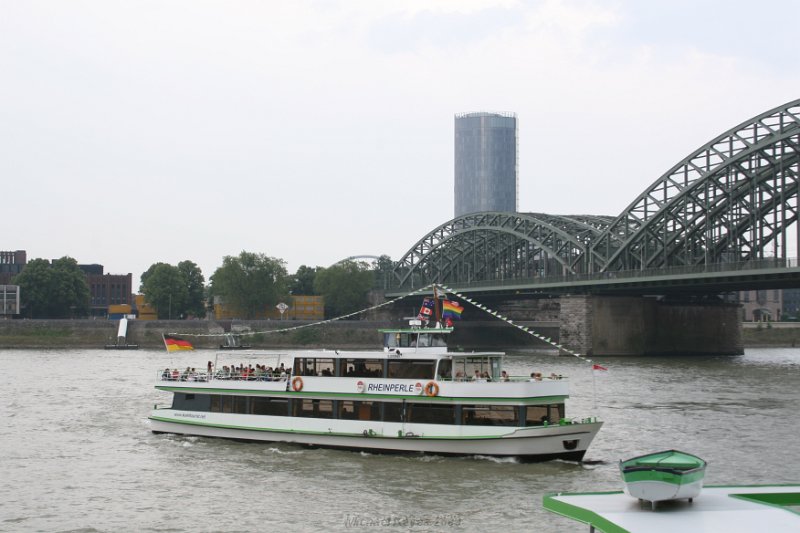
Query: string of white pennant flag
x,y
301,326
507,320
444,288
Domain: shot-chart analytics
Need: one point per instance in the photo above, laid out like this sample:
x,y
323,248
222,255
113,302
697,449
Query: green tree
x,y
195,285
344,286
383,268
164,287
53,290
302,283
250,283
147,274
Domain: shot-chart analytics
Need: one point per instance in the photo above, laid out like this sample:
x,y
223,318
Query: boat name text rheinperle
x,y
392,387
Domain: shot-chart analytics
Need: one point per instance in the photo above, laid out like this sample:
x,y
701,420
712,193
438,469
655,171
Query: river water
x,y
77,453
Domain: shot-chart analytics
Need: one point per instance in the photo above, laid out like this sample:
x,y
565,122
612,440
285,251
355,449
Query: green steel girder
x,y
439,253
735,198
678,195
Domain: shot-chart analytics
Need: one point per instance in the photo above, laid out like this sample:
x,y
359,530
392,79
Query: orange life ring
x,y
431,388
297,384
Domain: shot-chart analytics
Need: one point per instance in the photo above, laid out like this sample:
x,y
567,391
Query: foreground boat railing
x,y
162,375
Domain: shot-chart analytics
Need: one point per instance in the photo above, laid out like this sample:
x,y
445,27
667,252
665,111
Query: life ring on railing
x,y
431,388
297,384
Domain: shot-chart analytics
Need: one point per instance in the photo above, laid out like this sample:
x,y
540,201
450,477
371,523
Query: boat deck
x,y
733,509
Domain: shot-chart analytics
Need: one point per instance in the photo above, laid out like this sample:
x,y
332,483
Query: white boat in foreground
x,y
661,476
413,396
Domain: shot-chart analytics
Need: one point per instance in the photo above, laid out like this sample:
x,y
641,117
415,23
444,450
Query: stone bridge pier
x,y
630,325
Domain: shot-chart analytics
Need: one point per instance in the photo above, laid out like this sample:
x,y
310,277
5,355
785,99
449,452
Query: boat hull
x,y
658,491
568,442
661,476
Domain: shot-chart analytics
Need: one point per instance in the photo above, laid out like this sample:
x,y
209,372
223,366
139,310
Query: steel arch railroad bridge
x,y
730,206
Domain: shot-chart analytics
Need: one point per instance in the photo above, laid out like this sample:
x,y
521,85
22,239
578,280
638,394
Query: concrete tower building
x,y
486,169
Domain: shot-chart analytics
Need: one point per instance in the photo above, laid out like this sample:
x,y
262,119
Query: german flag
x,y
174,344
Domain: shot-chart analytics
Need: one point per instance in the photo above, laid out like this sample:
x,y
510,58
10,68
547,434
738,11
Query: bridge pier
x,y
624,325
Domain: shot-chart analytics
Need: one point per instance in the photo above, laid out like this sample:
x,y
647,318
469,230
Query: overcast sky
x,y
143,131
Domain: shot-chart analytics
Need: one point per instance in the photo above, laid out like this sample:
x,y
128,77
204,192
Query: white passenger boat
x,y
413,396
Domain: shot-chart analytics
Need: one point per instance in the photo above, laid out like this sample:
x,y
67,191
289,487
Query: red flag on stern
x,y
598,367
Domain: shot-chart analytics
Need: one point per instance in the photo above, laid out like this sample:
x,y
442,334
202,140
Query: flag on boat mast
x,y
174,344
452,309
426,312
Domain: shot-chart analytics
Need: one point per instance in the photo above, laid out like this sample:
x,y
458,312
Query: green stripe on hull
x,y
664,477
340,434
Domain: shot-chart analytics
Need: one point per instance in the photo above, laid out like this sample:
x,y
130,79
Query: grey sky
x,y
136,132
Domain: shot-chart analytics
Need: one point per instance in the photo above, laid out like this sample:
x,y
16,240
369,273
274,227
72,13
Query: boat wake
x,y
499,460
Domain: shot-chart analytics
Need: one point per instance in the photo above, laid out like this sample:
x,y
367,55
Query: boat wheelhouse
x,y
413,396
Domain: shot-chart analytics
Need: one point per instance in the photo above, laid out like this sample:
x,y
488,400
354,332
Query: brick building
x,y
11,264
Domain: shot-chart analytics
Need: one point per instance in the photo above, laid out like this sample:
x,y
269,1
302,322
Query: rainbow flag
x,y
451,309
173,344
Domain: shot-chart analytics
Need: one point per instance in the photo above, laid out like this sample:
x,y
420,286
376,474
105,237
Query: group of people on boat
x,y
239,373
484,377
480,377
190,374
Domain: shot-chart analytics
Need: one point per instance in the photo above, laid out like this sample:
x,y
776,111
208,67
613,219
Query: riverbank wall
x,y
203,334
344,334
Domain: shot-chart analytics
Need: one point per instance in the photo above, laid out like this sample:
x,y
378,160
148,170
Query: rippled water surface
x,y
77,454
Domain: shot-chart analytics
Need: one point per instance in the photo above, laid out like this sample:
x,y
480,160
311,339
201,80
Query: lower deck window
x,y
190,402
350,410
398,412
430,414
537,415
313,408
270,406
490,415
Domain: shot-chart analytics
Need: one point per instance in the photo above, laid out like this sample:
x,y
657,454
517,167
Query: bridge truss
x,y
733,200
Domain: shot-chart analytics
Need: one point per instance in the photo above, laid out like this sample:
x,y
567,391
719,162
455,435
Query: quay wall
x,y
43,334
56,334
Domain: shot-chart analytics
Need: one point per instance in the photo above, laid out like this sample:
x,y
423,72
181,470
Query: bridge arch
x,y
492,245
699,211
733,199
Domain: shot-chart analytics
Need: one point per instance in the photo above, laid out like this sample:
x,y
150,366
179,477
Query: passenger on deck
x,y
477,376
504,376
175,375
486,377
166,375
459,376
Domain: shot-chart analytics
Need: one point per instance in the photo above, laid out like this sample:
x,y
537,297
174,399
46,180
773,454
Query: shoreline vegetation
x,y
357,334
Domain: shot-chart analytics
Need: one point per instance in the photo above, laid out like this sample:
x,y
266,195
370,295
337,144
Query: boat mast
x,y
436,310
